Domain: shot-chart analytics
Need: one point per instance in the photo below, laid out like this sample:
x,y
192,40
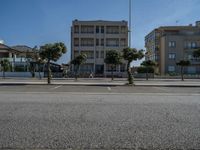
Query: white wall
x,y
21,74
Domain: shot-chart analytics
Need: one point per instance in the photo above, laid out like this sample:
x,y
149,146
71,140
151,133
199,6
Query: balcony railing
x,y
191,48
15,59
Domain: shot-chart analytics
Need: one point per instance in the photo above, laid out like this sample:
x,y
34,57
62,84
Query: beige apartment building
x,y
168,44
94,38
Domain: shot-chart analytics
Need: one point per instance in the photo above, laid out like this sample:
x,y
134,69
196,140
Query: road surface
x,y
85,117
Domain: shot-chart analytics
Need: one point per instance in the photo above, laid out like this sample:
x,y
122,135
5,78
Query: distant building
x,y
17,56
168,44
94,38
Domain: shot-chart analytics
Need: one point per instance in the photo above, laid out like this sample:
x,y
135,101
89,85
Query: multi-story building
x,y
94,38
167,45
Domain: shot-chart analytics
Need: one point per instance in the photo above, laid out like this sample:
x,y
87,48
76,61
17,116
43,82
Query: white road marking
x,y
162,89
89,93
56,87
109,89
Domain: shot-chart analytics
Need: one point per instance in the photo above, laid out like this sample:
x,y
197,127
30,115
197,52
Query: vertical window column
x,y
97,42
97,29
102,29
102,42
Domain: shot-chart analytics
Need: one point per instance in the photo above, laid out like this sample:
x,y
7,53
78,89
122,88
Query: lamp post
x,y
129,31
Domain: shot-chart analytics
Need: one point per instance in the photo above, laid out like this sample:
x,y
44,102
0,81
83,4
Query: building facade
x,y
169,44
94,38
17,56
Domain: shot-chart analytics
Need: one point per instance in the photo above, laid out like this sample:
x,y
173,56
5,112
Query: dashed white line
x,y
109,89
111,93
56,87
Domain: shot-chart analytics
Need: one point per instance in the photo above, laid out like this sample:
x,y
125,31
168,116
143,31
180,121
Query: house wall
x,y
21,74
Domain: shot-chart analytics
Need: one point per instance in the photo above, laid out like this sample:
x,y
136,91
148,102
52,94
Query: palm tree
x,y
52,52
131,54
113,58
5,66
182,64
77,61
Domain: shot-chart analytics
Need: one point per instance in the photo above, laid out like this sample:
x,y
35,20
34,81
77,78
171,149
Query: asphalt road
x,y
87,117
95,89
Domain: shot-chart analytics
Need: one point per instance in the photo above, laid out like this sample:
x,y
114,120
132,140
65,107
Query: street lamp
x,y
129,31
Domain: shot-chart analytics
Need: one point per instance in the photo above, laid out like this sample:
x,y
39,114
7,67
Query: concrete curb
x,y
98,84
156,85
67,84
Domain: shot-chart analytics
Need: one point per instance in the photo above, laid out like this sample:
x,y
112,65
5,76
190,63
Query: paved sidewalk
x,y
103,82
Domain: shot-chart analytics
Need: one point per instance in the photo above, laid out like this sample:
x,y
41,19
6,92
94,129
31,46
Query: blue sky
x,y
36,22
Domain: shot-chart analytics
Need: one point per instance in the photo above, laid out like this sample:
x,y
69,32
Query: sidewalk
x,y
103,82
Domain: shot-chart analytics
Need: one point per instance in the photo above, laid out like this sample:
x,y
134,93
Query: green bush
x,y
19,69
145,69
173,74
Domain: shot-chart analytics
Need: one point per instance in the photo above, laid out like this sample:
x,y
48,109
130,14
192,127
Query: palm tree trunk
x,y
49,72
39,70
3,72
112,73
130,77
33,70
147,74
182,74
76,72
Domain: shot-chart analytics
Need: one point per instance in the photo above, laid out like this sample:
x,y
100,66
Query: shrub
x,y
144,69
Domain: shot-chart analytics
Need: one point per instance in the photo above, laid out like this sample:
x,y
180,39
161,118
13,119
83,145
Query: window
x,y
122,67
102,54
123,42
171,68
87,42
102,29
86,68
76,42
97,42
172,44
190,45
123,29
193,45
112,30
102,42
97,29
99,69
76,29
90,54
191,70
156,57
76,53
87,29
112,42
109,68
97,54
172,56
189,57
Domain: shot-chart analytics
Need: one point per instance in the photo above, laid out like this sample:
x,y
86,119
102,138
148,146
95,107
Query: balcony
x,y
195,61
191,48
89,60
15,59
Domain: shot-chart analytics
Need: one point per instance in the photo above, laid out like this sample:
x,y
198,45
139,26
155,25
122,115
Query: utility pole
x,y
129,31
